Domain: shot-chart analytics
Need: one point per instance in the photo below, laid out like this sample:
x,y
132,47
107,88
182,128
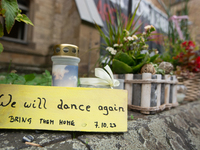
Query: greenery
x,y
187,61
172,42
158,70
10,11
124,46
130,59
171,50
28,79
115,33
132,117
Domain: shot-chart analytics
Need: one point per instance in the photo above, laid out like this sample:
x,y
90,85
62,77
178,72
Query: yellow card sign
x,y
63,108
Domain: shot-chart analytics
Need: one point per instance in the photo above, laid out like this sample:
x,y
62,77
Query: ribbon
x,y
103,78
176,19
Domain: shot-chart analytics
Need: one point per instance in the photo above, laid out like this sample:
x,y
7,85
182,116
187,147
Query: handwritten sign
x,y
63,108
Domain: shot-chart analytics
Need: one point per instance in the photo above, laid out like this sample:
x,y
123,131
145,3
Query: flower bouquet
x,y
188,68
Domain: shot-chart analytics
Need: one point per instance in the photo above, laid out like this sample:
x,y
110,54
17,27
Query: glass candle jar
x,y
65,65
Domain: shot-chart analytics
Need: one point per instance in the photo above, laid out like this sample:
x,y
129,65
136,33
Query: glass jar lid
x,y
66,50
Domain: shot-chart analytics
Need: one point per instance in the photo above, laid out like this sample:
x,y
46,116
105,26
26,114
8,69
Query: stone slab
x,y
177,128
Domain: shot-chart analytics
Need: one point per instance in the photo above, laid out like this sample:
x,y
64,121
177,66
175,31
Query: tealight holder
x,y
65,65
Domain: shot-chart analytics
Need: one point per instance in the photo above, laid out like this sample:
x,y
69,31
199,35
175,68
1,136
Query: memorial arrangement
x,y
25,103
130,75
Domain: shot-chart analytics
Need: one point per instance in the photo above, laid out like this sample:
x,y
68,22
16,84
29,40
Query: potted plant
x,y
188,68
124,46
129,58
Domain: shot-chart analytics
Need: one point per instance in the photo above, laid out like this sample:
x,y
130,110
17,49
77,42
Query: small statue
x,y
148,68
166,66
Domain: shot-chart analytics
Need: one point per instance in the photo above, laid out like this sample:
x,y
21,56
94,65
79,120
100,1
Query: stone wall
x,y
89,44
55,22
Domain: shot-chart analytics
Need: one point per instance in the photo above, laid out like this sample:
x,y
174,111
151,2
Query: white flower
x,y
144,33
148,27
156,51
142,39
121,45
113,52
115,45
130,38
111,49
107,48
125,39
134,37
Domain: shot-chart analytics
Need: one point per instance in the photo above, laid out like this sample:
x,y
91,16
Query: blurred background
x,y
28,48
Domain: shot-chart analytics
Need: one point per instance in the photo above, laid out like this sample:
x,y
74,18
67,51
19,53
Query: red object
x,y
198,62
188,60
189,45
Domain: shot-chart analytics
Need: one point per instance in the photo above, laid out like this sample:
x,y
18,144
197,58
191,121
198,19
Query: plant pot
x,y
95,86
150,93
192,88
120,78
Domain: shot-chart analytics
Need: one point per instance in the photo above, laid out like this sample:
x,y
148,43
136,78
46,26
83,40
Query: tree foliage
x,y
10,11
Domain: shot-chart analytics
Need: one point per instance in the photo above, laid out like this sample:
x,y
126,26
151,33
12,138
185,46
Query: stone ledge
x,y
176,129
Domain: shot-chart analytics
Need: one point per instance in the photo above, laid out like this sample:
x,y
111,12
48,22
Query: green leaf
x,y
11,8
11,78
160,71
132,117
19,16
1,48
136,29
47,73
105,38
2,12
120,67
140,56
132,18
124,58
20,80
29,77
24,18
137,68
1,30
153,58
135,22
